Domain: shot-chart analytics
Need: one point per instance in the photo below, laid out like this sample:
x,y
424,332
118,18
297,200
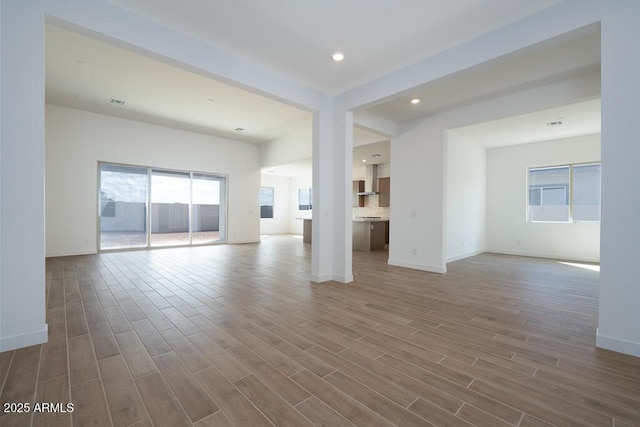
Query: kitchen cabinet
x,y
384,192
368,235
306,230
358,187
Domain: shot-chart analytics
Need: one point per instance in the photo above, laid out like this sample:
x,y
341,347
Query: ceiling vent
x,y
556,123
117,101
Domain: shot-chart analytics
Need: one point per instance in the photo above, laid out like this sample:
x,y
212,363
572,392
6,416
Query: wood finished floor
x,y
236,335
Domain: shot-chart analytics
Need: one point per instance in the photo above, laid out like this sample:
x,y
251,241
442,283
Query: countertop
x,y
362,219
358,219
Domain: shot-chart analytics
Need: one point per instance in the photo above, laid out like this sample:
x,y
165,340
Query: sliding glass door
x,y
143,207
206,215
170,197
123,206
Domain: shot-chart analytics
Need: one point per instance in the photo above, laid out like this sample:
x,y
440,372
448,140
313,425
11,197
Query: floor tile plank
x,y
195,401
82,360
163,408
340,402
277,410
49,409
135,354
275,379
89,404
123,399
142,338
320,414
235,405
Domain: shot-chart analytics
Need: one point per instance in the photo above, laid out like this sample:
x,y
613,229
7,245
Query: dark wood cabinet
x,y
384,192
358,187
368,235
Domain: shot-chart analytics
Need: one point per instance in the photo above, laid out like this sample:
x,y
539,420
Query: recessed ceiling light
x,y
338,56
210,99
239,129
117,101
364,160
415,101
555,123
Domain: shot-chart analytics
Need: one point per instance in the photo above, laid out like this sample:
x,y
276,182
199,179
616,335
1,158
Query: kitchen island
x,y
369,234
306,229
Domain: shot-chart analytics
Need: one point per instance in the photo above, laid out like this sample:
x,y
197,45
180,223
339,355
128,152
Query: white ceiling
x,y
570,55
84,73
297,37
582,118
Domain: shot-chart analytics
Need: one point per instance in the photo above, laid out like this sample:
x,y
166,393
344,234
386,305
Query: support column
x,y
343,176
331,213
22,268
322,225
619,314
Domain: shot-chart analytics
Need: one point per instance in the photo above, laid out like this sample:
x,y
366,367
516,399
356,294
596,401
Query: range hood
x,y
370,181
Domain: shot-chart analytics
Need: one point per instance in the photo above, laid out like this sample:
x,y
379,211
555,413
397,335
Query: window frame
x,y
568,191
272,205
223,213
309,206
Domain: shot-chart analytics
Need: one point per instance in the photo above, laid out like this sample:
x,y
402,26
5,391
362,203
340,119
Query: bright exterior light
x,y
364,160
415,101
338,56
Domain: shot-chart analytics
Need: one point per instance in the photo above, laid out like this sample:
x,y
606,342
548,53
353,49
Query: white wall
x,y
417,197
293,147
384,171
280,223
466,206
76,141
507,227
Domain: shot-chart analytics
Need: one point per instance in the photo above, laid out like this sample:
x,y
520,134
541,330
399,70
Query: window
x,y
142,207
305,197
586,192
549,194
266,202
564,193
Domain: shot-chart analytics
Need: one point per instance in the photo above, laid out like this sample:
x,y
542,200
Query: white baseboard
x,y
70,253
24,340
343,279
416,266
558,256
330,277
243,242
617,344
463,256
319,278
